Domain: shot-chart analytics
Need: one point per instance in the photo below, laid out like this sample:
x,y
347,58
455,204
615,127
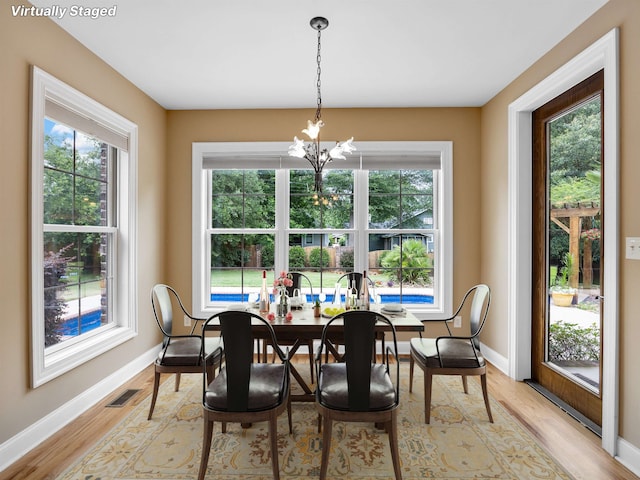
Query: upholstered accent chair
x,y
180,353
454,354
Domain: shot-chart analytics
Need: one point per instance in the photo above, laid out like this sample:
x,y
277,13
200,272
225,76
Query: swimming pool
x,y
88,321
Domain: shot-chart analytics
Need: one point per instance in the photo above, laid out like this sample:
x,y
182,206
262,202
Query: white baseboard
x,y
629,456
30,437
495,359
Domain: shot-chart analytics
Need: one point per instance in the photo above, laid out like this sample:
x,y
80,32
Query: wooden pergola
x,y
577,215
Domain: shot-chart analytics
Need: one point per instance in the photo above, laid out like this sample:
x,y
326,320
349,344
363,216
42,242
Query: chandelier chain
x,y
319,70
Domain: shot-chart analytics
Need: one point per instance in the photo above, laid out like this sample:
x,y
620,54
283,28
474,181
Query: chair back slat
x,y
296,278
235,328
163,307
359,340
478,312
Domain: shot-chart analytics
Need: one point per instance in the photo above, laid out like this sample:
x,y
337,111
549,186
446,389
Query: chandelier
x,y
311,151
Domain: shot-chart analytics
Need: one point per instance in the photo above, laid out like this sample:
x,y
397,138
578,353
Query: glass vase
x,y
283,306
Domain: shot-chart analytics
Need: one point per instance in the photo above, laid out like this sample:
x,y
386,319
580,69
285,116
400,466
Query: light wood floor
x,y
571,444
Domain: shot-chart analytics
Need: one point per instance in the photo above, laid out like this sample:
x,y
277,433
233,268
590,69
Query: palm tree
x,y
408,263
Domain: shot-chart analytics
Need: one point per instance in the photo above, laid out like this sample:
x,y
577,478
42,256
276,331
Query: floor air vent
x,y
122,399
565,407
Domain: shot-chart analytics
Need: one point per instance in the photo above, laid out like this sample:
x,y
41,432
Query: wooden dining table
x,y
303,327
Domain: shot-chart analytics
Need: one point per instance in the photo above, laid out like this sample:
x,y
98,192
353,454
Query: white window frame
x,y
49,363
200,212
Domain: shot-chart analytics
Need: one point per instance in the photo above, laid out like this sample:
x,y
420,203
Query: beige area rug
x,y
460,443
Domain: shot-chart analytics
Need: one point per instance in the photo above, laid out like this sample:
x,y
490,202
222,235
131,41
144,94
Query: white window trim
x,y
46,366
201,150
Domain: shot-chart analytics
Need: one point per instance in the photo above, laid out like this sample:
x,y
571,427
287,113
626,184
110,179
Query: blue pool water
x,y
88,321
237,297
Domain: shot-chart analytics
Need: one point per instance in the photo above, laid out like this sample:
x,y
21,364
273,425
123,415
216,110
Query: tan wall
x,y
460,125
23,42
624,14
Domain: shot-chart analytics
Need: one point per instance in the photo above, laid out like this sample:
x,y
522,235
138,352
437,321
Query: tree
x,y
55,270
399,197
242,199
575,142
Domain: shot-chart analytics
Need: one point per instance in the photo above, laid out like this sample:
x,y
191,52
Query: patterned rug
x,y
459,444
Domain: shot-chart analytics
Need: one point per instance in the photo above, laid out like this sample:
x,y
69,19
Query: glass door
x,y
568,247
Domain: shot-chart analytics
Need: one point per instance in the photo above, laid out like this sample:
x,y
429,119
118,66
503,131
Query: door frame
x,y
603,54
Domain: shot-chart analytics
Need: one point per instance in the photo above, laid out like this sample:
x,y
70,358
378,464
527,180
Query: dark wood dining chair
x,y
244,391
355,388
180,353
454,354
349,278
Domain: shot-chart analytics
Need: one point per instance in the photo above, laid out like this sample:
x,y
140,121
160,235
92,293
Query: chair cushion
x,y
181,351
266,388
455,353
334,390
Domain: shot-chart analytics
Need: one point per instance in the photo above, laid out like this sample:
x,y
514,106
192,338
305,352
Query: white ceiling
x,y
219,54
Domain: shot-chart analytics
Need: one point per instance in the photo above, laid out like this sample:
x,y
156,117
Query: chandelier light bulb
x,y
313,129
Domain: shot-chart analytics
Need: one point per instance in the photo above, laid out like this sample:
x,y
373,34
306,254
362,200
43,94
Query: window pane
x,y
417,181
58,146
58,197
322,257
333,208
74,178
401,199
384,199
384,182
243,199
384,211
75,279
90,202
417,211
226,211
91,157
237,261
402,267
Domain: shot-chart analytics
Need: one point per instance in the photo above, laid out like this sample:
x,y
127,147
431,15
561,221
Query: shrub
x,y
568,341
346,259
297,257
319,257
410,265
